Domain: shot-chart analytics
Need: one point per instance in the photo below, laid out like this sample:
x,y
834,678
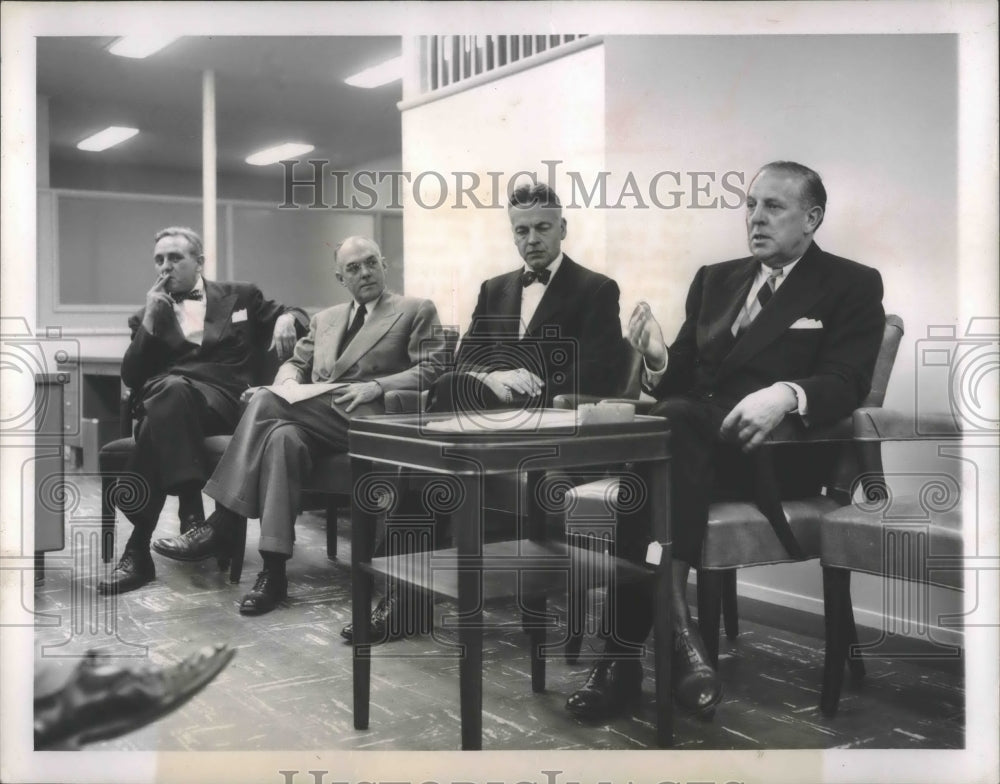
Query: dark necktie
x,y
179,297
764,295
767,290
530,276
353,329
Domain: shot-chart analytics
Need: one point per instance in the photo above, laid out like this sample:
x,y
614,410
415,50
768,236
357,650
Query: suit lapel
x,y
792,299
557,293
507,318
377,323
725,308
218,311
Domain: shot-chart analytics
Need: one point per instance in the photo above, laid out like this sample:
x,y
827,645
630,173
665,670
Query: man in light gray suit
x,y
354,353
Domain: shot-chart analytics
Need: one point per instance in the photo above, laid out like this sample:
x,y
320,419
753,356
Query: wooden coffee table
x,y
474,572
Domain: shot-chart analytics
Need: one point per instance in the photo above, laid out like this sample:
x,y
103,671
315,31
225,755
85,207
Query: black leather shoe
x,y
695,683
269,589
611,687
189,521
134,570
388,621
203,541
103,700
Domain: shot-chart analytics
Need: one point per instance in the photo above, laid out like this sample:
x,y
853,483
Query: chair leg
x,y
709,610
238,551
332,507
730,610
855,664
108,482
836,612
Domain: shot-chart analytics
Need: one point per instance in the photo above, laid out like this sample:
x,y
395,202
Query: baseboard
x,y
863,617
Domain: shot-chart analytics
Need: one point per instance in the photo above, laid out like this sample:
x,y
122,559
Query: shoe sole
x,y
186,558
106,589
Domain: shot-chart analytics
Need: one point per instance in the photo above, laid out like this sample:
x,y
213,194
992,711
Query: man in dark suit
x,y
790,334
195,348
548,328
354,353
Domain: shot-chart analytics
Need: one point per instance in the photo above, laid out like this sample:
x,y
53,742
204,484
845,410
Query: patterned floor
x,y
290,684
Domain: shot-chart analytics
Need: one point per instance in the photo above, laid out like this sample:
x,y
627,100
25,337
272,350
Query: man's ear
x,y
340,278
562,227
814,218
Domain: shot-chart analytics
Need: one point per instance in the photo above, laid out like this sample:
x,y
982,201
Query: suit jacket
x,y
833,363
573,342
400,345
238,327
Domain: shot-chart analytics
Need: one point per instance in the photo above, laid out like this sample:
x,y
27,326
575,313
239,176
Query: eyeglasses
x,y
371,263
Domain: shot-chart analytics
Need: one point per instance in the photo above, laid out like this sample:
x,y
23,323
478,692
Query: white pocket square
x,y
807,323
239,315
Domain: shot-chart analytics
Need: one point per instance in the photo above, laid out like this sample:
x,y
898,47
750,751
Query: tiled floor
x,y
290,686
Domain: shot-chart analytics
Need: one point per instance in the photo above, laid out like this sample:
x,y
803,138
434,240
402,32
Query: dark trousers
x,y
703,469
274,447
176,414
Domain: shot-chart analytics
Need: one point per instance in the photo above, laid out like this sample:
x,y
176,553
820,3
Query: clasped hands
x,y
751,420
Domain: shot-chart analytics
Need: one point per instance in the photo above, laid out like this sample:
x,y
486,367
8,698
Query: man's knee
x,y
264,405
168,395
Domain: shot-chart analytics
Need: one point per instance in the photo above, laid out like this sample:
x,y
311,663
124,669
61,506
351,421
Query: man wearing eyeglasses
x,y
353,354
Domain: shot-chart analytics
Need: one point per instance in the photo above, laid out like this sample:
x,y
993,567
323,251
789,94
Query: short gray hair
x,y
182,231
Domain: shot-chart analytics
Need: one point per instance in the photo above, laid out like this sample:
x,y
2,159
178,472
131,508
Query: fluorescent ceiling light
x,y
139,46
281,152
109,137
377,75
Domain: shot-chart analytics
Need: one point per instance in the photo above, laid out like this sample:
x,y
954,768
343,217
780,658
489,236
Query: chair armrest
x,y
789,431
881,424
405,401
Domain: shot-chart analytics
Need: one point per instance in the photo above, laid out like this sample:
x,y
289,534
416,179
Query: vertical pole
x,y
208,166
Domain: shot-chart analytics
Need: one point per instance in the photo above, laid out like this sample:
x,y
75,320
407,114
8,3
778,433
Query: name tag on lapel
x,y
239,315
807,323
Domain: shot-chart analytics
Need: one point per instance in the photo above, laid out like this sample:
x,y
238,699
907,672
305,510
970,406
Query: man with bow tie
x,y
196,346
354,353
548,328
791,334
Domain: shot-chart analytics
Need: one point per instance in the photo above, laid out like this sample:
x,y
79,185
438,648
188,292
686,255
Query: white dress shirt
x,y
532,295
191,315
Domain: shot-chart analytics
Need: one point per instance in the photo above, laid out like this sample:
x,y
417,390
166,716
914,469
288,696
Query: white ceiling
x,y
268,90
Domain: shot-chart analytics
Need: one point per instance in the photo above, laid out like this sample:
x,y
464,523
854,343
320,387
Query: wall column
x,y
208,172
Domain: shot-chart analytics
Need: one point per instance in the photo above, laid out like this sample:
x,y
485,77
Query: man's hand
x,y
284,338
507,383
756,415
360,392
646,337
159,307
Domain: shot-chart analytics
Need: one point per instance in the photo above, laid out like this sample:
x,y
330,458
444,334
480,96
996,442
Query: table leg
x,y
468,531
362,543
659,507
535,606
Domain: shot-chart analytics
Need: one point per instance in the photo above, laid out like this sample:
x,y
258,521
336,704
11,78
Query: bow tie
x,y
530,276
180,297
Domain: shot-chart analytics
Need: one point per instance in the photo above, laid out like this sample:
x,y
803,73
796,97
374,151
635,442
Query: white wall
x,y
550,112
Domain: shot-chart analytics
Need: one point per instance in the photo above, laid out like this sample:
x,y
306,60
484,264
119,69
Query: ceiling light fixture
x,y
109,137
281,152
377,75
139,46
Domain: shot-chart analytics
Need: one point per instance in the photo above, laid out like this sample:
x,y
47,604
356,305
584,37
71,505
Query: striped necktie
x,y
764,294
